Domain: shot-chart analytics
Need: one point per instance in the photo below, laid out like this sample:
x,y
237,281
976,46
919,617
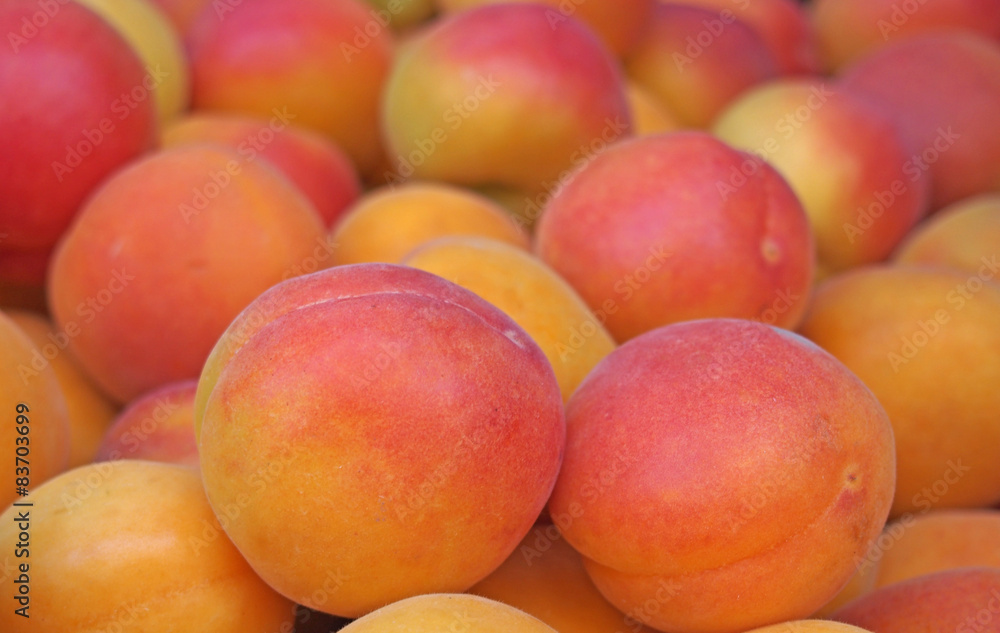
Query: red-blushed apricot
x,y
386,224
158,426
166,253
850,29
90,411
938,541
129,546
619,23
926,343
320,63
963,236
695,61
431,613
501,95
340,281
722,474
942,89
529,292
149,32
809,626
783,25
651,232
545,577
73,109
844,158
965,600
352,422
38,426
312,162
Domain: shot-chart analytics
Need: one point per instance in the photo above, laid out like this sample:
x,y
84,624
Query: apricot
x,y
963,236
149,31
942,89
679,226
386,224
694,61
863,199
158,426
38,425
166,253
130,546
321,63
492,96
783,25
545,577
938,541
619,23
350,421
926,343
61,138
431,613
721,475
963,600
320,169
90,411
848,30
529,292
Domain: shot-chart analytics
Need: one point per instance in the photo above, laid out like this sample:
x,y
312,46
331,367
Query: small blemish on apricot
x,y
770,250
852,477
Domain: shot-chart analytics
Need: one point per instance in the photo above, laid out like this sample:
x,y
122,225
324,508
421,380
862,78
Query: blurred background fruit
x,y
166,253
